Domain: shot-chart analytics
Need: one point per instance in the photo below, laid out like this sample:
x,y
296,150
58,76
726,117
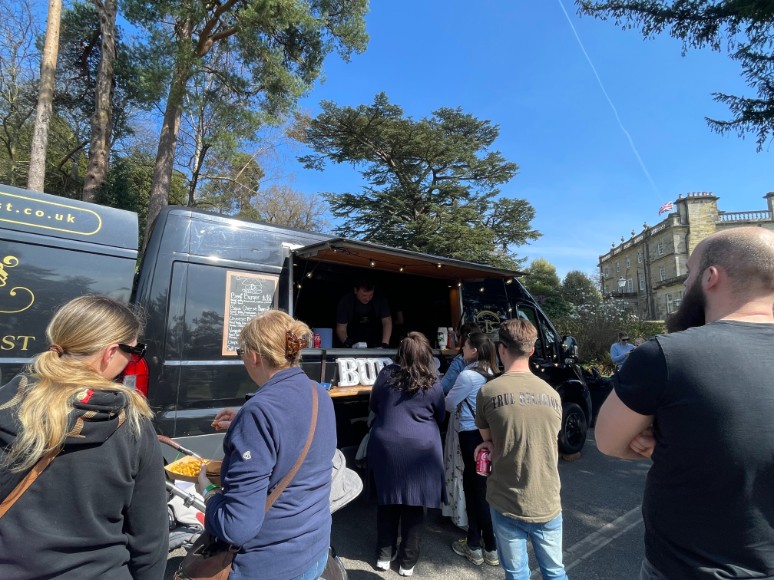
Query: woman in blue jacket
x,y
479,354
454,506
263,442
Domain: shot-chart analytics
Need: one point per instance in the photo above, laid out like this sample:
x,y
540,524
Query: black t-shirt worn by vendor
x,y
364,321
709,497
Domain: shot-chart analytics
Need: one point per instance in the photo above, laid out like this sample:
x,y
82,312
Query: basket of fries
x,y
187,468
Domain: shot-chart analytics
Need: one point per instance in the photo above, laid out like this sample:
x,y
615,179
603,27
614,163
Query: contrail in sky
x,y
610,102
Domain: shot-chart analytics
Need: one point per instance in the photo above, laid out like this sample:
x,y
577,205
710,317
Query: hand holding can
x,y
483,462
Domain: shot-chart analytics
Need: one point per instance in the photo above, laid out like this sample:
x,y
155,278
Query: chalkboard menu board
x,y
246,295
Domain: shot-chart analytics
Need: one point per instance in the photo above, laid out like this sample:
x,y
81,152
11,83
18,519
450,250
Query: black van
x,y
202,276
53,249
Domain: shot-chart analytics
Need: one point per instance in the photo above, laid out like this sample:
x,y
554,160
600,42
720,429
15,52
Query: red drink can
x,y
483,462
317,340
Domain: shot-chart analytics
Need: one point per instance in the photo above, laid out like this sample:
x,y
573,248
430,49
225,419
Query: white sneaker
x,y
404,572
385,564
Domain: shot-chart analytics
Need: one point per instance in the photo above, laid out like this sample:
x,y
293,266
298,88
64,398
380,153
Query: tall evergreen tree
x,y
282,45
432,184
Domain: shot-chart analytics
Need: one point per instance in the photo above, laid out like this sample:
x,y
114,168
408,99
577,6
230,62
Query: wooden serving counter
x,y
353,391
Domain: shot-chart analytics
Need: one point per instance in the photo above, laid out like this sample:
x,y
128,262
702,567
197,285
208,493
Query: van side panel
x,y
52,250
182,287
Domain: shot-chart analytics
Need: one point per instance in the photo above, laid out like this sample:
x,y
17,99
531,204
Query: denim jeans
x,y
512,535
316,569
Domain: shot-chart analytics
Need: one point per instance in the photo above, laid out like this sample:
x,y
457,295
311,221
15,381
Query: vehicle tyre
x,y
572,437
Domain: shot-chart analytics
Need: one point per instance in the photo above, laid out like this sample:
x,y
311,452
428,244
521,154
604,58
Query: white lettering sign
x,y
360,371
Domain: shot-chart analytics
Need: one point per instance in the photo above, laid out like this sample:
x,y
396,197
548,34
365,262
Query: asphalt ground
x,y
603,530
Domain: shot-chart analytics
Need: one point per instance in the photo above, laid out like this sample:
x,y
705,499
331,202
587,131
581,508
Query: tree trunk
x,y
101,122
165,156
37,172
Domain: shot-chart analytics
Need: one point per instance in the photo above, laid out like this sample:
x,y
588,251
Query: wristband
x,y
209,488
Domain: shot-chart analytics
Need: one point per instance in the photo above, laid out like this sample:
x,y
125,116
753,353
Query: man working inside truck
x,y
363,317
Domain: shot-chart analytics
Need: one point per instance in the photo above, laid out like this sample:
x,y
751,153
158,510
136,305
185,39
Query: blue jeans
x,y
512,535
316,570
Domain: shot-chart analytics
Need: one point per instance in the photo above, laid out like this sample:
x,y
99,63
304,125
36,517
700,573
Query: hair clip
x,y
57,349
293,344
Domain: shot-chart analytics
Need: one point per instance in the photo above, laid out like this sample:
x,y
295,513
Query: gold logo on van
x,y
24,294
48,215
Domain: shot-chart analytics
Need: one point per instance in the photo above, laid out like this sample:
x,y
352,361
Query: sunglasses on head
x,y
137,351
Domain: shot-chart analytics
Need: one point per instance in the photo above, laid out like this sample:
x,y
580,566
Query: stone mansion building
x,y
648,270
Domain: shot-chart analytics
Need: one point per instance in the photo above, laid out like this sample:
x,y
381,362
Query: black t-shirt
x,y
364,321
709,497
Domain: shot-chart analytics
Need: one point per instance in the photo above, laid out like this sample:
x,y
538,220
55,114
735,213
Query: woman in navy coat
x,y
404,451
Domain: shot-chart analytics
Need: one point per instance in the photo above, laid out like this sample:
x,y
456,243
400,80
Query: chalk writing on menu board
x,y
246,296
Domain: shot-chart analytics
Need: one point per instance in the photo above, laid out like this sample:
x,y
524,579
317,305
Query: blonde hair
x,y
277,337
81,328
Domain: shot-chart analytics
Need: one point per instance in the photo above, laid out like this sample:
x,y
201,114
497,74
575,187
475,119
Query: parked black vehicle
x,y
202,276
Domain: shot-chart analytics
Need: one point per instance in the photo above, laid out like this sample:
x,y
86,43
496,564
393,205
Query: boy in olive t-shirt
x,y
519,416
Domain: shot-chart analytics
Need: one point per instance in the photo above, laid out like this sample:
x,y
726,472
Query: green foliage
x,y
543,283
742,27
431,184
77,66
275,52
129,183
595,322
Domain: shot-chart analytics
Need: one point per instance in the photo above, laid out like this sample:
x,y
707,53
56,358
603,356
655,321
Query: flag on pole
x,y
666,207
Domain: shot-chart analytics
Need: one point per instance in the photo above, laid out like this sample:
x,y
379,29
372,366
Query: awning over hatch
x,y
386,259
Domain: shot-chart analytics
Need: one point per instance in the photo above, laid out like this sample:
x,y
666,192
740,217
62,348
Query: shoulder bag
x,y
31,476
210,558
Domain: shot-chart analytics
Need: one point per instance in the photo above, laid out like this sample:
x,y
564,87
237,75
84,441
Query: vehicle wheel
x,y
572,437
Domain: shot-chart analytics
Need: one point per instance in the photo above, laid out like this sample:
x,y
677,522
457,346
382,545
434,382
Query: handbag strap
x,y
291,474
31,476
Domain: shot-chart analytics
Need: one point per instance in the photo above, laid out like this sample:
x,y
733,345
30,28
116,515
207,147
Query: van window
x,y
486,303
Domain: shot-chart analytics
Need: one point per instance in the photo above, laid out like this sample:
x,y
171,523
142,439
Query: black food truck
x,y
202,276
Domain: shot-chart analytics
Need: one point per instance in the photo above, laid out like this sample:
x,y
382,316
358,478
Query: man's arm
x,y
618,430
486,435
386,329
341,332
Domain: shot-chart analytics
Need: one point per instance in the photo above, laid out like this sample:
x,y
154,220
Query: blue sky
x,y
519,65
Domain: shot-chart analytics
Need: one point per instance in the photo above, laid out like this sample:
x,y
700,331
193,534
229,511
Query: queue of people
x,y
82,475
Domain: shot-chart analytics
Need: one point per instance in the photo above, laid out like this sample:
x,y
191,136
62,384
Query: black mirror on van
x,y
570,349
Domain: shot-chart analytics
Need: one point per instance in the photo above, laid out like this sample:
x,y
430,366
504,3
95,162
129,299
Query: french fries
x,y
187,466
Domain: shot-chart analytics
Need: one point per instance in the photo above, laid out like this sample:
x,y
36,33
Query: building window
x,y
628,263
642,282
629,285
607,272
662,274
617,266
673,302
660,248
639,257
